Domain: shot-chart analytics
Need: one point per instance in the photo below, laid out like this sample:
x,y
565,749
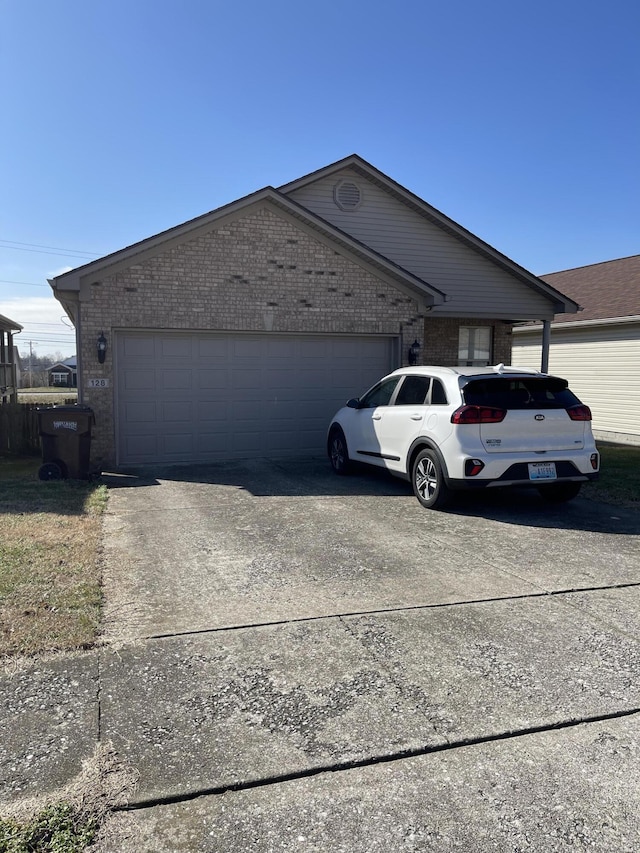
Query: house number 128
x,y
98,383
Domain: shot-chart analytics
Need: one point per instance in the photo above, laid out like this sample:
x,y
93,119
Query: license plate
x,y
542,471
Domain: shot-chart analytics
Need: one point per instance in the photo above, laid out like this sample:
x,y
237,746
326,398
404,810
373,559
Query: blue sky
x,y
520,121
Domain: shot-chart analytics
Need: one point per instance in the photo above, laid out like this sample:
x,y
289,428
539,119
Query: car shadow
x,y
314,477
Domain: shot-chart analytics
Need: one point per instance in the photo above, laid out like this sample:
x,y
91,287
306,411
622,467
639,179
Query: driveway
x,y
301,661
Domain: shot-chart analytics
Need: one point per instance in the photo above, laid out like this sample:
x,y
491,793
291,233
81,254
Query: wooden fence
x,y
20,429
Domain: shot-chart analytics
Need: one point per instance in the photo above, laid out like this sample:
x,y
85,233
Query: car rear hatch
x,y
536,414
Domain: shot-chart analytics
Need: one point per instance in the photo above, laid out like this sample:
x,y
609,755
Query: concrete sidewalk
x,y
296,661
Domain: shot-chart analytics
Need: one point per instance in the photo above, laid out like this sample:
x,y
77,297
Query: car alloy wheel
x,y
428,481
338,453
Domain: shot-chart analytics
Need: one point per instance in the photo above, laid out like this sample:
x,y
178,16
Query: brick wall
x,y
441,339
259,273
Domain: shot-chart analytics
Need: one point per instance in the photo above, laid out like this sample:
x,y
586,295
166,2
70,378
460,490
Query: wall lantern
x,y
102,348
414,352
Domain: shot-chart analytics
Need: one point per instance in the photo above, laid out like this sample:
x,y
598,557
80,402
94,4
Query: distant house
x,y
8,361
597,350
64,374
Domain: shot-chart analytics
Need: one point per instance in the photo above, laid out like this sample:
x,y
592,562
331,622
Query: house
x,y
64,373
597,350
8,361
239,333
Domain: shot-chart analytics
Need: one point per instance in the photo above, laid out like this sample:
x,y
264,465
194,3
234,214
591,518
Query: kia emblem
x,y
539,417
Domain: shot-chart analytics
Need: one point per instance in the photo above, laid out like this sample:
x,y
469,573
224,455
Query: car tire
x,y
559,492
427,480
338,452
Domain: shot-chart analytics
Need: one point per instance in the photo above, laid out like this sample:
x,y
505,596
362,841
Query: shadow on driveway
x,y
313,477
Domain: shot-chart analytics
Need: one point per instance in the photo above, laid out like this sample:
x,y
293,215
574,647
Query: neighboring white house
x,y
599,353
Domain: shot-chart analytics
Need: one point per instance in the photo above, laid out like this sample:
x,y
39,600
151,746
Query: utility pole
x,y
30,364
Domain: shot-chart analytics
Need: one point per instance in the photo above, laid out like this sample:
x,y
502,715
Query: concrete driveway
x,y
301,661
297,661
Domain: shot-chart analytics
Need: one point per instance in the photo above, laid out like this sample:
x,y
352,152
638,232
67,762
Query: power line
x,y
57,254
42,344
16,243
55,325
25,283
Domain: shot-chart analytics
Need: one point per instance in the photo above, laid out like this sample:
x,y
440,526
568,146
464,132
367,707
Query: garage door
x,y
203,397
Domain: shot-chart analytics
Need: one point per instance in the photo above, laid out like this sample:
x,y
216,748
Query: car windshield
x,y
503,393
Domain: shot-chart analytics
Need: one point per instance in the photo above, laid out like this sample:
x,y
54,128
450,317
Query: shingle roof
x,y
606,290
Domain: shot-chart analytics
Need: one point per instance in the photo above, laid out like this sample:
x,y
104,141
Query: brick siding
x,y
441,339
257,273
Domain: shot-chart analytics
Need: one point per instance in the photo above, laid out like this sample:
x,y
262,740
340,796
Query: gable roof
x,y
404,279
371,173
67,287
607,290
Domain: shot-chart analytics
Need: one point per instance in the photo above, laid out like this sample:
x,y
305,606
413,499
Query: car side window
x,y
413,391
380,394
438,394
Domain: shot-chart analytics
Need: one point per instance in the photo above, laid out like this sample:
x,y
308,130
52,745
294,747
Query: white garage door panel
x,y
194,397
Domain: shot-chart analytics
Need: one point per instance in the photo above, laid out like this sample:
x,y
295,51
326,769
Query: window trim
x,y
472,348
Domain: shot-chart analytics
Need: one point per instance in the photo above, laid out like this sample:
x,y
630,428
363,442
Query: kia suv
x,y
451,428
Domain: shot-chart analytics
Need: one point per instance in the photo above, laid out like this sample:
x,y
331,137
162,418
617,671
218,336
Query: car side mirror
x,y
353,403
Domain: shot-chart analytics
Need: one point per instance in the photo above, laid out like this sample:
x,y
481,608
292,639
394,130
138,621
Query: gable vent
x,y
347,195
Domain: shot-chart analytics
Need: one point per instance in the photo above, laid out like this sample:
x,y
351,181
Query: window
x,y
60,378
438,394
474,346
503,393
413,391
380,394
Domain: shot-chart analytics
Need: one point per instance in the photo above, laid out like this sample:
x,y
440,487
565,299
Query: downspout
x,y
546,340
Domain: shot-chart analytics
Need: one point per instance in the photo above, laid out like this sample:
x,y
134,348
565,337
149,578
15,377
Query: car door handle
x,y
416,417
376,417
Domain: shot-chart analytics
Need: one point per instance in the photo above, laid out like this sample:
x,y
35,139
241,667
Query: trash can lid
x,y
66,407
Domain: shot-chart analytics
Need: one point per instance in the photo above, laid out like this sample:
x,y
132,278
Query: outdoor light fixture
x,y
414,352
102,348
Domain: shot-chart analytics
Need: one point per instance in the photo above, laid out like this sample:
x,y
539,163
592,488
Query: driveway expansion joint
x,y
557,593
402,755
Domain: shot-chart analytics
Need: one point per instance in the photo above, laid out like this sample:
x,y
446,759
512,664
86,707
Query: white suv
x,y
452,428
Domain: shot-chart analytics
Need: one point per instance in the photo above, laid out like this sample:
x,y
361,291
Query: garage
x,y
203,397
237,334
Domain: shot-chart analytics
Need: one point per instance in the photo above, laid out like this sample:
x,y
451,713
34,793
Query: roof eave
x,y
7,325
562,304
580,324
70,282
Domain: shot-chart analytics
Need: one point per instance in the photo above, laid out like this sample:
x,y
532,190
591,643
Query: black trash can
x,y
65,434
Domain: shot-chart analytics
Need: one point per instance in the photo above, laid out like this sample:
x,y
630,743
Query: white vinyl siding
x,y
602,364
204,397
475,285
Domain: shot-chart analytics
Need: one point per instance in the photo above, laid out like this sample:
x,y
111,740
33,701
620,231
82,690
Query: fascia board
x,y
7,325
149,246
398,276
561,303
138,252
352,160
580,324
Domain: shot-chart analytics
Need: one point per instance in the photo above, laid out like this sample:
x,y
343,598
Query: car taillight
x,y
478,415
472,467
579,413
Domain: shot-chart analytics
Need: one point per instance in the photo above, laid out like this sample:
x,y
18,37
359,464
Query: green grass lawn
x,y
50,576
619,481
